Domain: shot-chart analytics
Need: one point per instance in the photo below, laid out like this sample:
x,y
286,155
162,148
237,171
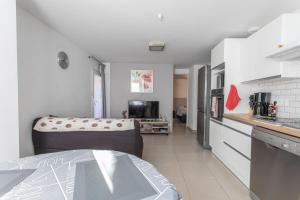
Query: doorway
x,y
180,98
97,96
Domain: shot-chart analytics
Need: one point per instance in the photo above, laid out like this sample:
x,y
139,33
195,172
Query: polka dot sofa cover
x,y
54,134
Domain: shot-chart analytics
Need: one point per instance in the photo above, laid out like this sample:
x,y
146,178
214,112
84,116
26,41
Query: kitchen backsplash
x,y
286,92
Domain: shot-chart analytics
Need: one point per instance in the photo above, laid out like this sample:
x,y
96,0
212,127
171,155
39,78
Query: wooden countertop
x,y
248,119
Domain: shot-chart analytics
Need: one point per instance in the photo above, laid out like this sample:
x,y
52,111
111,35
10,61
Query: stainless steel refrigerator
x,y
203,113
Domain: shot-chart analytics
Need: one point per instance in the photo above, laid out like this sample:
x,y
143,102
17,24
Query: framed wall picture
x,y
141,81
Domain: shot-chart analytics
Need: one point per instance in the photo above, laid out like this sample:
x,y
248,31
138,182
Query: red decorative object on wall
x,y
233,98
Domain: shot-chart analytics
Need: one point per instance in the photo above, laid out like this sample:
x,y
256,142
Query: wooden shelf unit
x,y
154,126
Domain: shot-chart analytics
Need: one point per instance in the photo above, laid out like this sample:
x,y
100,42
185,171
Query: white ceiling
x,y
119,30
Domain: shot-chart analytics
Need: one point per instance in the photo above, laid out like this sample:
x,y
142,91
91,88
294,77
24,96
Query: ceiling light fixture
x,y
156,46
160,17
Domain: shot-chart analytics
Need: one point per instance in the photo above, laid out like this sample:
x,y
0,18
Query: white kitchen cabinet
x,y
239,141
232,147
215,138
231,53
238,164
212,135
217,55
237,150
283,31
256,49
253,62
245,128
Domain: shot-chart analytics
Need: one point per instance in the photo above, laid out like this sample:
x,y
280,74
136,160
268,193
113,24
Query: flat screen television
x,y
143,109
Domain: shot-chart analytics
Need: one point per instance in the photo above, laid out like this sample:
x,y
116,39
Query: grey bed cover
x,y
83,175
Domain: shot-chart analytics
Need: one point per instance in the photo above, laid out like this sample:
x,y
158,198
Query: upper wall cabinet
x,y
256,52
217,55
253,62
283,37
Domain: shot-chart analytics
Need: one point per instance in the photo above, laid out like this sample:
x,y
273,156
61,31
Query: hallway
x,y
196,173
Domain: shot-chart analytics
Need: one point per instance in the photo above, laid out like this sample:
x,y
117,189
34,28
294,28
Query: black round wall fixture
x,y
63,60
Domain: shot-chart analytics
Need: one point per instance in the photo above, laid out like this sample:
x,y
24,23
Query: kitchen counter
x,y
249,119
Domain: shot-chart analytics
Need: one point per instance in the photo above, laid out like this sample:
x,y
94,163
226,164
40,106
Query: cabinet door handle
x,y
237,151
280,45
269,146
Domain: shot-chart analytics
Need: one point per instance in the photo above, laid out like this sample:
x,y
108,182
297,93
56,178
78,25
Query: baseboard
x,y
194,131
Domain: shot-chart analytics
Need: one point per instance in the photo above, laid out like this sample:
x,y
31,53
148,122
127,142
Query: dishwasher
x,y
275,166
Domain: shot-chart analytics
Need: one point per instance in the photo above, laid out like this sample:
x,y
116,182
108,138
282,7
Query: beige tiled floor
x,y
196,173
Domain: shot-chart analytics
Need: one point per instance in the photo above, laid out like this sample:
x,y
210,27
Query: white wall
x,y
285,91
9,133
120,87
180,87
297,11
181,71
45,88
193,97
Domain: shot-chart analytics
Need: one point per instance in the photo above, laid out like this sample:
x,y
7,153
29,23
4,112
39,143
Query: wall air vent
x,y
156,46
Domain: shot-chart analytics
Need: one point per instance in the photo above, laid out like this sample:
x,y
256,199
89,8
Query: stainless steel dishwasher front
x,y
275,166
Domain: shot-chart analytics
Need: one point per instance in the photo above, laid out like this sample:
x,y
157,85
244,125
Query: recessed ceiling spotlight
x,y
253,29
160,17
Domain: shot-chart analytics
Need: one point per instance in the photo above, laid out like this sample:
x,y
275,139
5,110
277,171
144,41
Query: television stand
x,y
154,126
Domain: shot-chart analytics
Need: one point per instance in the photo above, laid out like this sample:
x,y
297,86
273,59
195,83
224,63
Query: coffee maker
x,y
261,103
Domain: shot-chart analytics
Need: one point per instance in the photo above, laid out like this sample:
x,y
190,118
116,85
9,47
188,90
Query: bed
x,y
84,174
181,113
54,134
